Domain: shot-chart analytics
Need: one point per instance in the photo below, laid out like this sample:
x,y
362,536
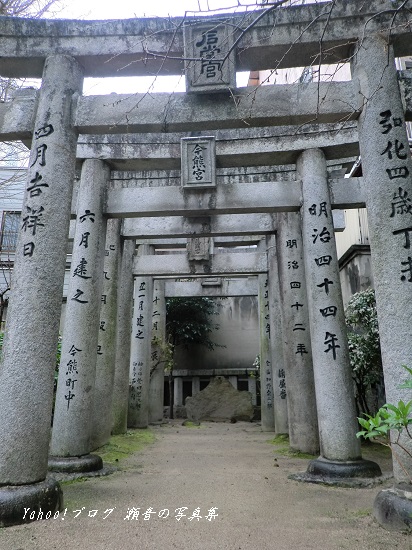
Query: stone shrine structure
x,y
306,124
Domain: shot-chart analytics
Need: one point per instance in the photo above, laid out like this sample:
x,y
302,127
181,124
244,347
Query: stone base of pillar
x,y
268,429
393,508
354,473
75,464
179,411
354,468
25,503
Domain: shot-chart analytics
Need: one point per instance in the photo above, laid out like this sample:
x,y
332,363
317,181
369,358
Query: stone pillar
x,y
233,381
280,400
140,349
387,169
297,352
339,447
29,352
387,172
266,380
124,327
106,348
195,385
178,391
77,373
157,376
251,387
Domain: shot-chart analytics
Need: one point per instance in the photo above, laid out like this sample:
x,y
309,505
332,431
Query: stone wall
x,y
355,271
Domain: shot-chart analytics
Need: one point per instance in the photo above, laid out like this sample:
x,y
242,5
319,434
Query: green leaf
x,y
364,423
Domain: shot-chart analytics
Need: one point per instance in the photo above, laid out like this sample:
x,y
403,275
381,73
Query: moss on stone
x,y
279,439
284,450
73,481
121,446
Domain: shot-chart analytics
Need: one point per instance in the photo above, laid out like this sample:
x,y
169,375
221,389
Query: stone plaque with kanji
x,y
198,162
198,248
210,59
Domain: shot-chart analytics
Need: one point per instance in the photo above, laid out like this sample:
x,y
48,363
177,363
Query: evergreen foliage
x,y
364,345
190,321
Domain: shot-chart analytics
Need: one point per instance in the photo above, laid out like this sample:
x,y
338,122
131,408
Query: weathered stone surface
x,y
228,287
29,351
211,46
122,47
393,508
106,354
198,249
17,116
233,199
156,387
236,147
301,400
73,403
221,264
280,407
75,464
349,469
140,360
388,188
124,319
214,226
198,158
220,401
177,227
332,374
184,112
238,198
266,393
26,503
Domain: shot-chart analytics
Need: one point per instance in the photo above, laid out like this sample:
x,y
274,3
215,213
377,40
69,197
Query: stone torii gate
x,y
224,264
62,53
273,402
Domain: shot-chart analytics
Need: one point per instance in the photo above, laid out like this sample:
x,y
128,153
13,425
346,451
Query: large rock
x,y
219,401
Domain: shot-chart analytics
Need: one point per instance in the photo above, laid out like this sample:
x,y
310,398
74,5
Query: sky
x,y
120,9
124,9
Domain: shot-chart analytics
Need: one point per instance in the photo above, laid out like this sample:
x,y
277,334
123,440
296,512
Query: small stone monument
x,y
219,401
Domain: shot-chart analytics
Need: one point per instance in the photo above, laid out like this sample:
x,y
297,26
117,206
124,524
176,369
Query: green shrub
x,y
395,419
364,346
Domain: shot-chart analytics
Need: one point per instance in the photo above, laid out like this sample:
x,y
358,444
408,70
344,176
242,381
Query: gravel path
x,y
217,468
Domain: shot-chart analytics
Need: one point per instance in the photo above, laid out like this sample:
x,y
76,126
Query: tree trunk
x,y
171,395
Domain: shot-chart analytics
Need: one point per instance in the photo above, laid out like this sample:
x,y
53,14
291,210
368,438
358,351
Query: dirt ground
x,y
230,476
